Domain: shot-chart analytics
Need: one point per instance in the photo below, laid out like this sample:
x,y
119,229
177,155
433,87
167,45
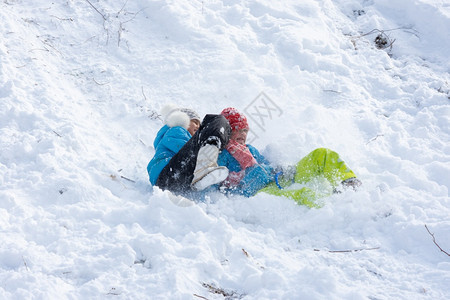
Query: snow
x,y
81,86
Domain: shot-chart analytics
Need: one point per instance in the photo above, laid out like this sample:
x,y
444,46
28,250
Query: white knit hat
x,y
176,116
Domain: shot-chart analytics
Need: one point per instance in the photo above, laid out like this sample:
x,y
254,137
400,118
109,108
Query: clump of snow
x,y
81,87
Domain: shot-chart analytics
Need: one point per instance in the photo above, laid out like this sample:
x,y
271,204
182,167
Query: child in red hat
x,y
250,172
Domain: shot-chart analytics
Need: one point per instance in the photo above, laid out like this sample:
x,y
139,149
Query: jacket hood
x,y
160,135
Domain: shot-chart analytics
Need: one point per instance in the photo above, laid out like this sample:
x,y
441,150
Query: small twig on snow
x,y
62,19
103,16
347,251
118,13
113,292
219,291
245,252
123,177
39,49
99,83
434,241
50,45
57,133
373,139
387,30
252,259
134,16
154,115
332,91
119,34
143,94
31,21
25,263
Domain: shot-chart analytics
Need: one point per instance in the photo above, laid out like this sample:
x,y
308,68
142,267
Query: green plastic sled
x,y
322,164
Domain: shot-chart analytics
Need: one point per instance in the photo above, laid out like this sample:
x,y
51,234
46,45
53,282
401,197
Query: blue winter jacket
x,y
255,178
168,142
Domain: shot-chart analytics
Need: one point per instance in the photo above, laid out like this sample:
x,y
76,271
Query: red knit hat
x,y
235,118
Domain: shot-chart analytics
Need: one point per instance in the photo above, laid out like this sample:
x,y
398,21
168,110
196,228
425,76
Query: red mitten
x,y
233,179
242,154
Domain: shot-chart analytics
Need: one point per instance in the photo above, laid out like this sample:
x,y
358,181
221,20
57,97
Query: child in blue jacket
x,y
179,127
186,151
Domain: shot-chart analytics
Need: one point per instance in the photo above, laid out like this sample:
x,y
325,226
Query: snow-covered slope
x,y
81,85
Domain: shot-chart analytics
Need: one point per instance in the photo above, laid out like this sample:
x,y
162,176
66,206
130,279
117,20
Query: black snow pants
x,y
177,175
